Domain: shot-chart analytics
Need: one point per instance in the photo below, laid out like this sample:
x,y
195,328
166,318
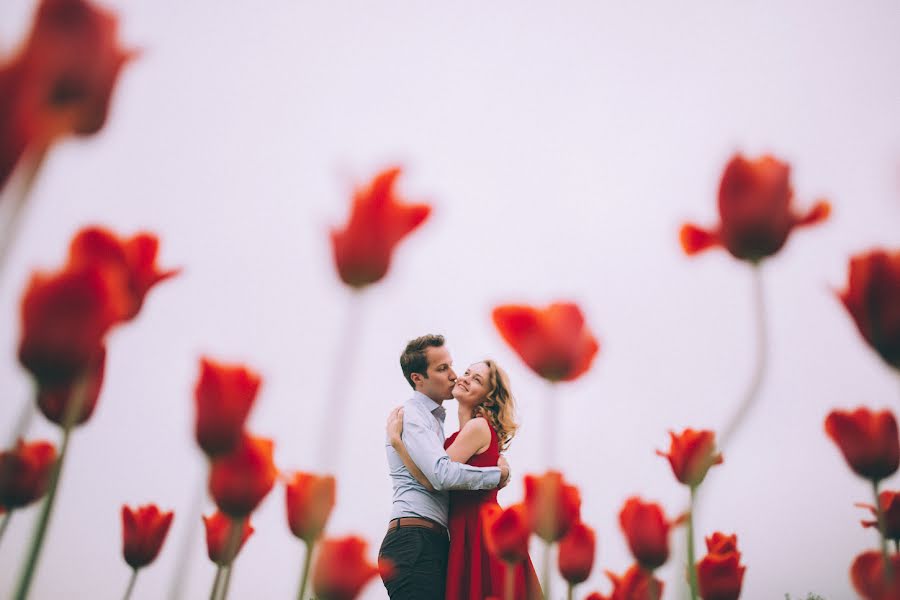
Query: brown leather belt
x,y
416,522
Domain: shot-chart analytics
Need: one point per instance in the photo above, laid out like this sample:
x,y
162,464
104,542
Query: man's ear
x,y
416,378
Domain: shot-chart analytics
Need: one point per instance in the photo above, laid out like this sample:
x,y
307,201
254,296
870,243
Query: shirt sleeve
x,y
444,474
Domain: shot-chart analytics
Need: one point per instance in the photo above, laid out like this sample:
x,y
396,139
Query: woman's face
x,y
472,387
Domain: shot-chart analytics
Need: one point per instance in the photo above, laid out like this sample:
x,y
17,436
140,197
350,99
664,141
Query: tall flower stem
x,y
334,419
130,587
551,426
184,555
888,566
231,549
509,586
5,523
217,583
654,586
545,568
307,561
570,592
226,583
12,207
692,567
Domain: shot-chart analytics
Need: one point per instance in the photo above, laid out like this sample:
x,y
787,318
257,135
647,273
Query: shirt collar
x,y
430,405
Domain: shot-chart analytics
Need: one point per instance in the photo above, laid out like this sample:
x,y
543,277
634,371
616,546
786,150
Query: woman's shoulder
x,y
478,425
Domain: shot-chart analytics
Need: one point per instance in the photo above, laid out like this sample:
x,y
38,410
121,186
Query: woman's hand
x,y
395,426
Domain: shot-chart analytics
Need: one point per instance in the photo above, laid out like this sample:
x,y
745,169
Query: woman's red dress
x,y
472,573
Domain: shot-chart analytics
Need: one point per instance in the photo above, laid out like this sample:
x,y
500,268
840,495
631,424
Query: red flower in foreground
x,y
646,529
224,395
218,531
576,553
378,221
635,584
890,508
868,440
143,534
25,473
60,81
552,505
506,532
755,199
691,454
554,341
720,574
868,576
54,400
872,298
341,569
132,259
240,480
309,499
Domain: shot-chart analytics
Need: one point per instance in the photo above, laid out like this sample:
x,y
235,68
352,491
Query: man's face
x,y
439,384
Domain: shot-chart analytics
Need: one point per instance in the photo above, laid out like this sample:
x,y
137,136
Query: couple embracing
x,y
435,538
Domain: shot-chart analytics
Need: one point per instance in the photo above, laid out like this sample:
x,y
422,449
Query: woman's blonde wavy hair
x,y
499,406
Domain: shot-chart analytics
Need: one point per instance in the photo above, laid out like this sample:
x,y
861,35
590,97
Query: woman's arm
x,y
473,438
395,432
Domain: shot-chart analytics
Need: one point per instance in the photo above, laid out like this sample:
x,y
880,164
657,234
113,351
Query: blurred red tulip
x,y
576,553
224,395
309,499
597,596
143,532
61,79
54,400
869,441
872,298
378,221
646,529
691,454
552,505
635,584
218,531
506,532
342,569
240,480
868,576
132,259
554,341
755,199
890,508
719,543
720,574
25,473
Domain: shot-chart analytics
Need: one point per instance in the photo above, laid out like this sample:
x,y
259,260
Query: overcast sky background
x,y
561,145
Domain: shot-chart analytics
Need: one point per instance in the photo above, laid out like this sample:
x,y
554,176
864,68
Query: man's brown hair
x,y
413,360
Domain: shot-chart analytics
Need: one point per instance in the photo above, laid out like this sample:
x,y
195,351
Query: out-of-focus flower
x,y
342,569
868,576
218,531
309,499
720,574
506,531
240,480
54,400
576,553
691,454
224,395
378,221
143,532
868,440
646,529
552,505
872,298
132,259
25,473
636,584
61,79
554,341
755,198
890,509
597,596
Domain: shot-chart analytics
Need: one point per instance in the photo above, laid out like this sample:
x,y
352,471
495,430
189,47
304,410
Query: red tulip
x,y
890,508
635,584
378,221
310,499
54,400
576,553
872,298
720,574
341,569
691,454
60,81
506,532
218,531
143,534
755,199
868,576
224,396
869,441
597,596
552,505
646,529
25,473
240,480
133,260
554,341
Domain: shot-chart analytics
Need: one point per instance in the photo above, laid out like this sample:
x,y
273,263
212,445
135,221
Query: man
x,y
416,543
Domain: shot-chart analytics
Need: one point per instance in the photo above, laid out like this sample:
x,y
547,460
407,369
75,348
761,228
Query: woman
x,y
486,426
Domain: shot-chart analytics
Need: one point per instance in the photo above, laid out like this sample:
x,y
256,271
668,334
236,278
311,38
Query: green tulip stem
x,y
692,567
888,566
307,561
130,587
